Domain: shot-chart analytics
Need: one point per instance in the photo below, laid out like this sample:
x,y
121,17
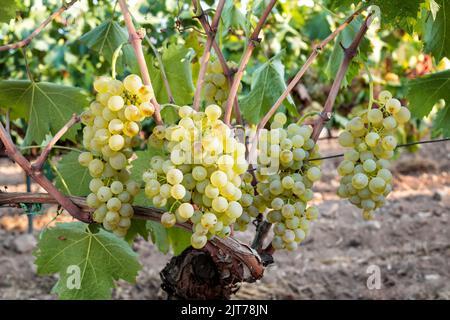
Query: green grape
x,y
359,181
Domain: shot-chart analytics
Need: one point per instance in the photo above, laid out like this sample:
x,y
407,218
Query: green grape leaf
x,y
441,124
87,263
267,85
105,39
138,227
233,18
337,55
317,27
71,177
424,92
339,4
179,239
159,236
437,32
399,13
177,64
46,106
142,162
8,10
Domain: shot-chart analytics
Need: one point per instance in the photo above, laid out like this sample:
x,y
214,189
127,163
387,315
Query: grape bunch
x,y
197,178
112,121
285,179
366,180
216,87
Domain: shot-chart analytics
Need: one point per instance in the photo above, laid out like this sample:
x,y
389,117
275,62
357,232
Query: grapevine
x,y
192,152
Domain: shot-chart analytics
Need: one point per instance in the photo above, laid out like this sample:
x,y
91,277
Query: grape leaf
x,y
267,85
441,122
71,176
105,39
317,27
177,64
170,114
437,32
71,250
233,18
179,239
399,13
46,106
424,92
8,10
337,55
339,4
138,227
159,236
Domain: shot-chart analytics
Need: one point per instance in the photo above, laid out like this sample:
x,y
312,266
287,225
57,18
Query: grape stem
x,y
26,41
44,154
35,172
211,32
135,39
316,51
371,99
349,54
228,72
251,44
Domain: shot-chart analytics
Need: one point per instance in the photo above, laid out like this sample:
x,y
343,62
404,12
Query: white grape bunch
x,y
216,87
285,178
112,121
366,180
197,179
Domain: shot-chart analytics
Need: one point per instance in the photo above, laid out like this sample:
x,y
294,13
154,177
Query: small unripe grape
x,y
104,194
174,176
346,139
389,143
168,219
178,191
147,109
100,213
234,210
132,83
208,220
85,158
116,187
372,139
115,103
369,165
198,241
113,204
288,211
186,210
280,118
377,185
359,181
95,184
112,217
96,167
393,106
116,142
118,161
375,116
220,204
313,174
403,115
389,123
213,112
92,200
131,128
126,210
384,96
288,236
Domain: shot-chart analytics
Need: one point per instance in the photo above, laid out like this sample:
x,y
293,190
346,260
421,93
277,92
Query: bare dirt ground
x,y
409,241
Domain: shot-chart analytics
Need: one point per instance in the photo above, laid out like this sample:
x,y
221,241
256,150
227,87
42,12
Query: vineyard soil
x,y
409,241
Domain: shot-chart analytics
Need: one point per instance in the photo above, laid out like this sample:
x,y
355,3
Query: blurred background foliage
x,y
409,43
